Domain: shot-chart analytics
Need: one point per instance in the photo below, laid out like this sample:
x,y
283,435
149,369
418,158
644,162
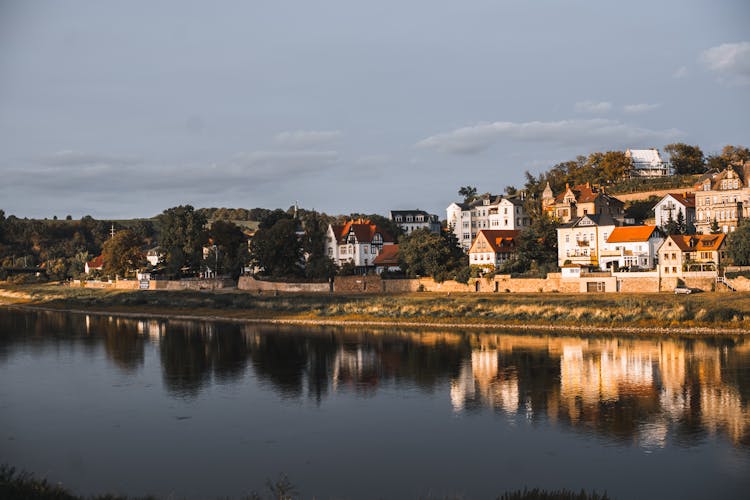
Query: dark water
x,y
197,409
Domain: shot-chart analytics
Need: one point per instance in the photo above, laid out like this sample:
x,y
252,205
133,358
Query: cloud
x,y
581,133
680,72
306,138
730,61
634,109
372,160
68,158
593,107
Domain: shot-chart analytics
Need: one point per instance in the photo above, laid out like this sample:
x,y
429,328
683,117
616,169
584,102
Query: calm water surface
x,y
200,410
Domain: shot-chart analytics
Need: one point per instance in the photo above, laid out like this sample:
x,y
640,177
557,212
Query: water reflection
x,y
631,390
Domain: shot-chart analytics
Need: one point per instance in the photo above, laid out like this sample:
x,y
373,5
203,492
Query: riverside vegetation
x,y
709,311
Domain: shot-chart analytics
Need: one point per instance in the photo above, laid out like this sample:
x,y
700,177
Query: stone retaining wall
x,y
251,284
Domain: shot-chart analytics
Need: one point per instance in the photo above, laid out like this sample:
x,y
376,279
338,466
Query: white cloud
x,y
680,72
306,138
730,61
593,107
372,160
581,133
639,108
68,158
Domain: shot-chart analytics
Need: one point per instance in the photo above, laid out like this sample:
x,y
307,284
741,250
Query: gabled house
x,y
95,264
631,247
492,248
411,220
387,260
723,197
671,205
486,212
357,241
579,201
647,163
698,252
580,241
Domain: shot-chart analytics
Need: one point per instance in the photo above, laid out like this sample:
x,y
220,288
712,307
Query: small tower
x,y
548,198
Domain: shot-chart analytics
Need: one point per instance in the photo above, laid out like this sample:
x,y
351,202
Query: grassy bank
x,y
616,311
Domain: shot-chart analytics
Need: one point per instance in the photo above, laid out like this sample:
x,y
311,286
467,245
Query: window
x,y
567,238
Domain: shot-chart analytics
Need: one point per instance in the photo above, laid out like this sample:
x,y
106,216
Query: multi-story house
x,y
580,241
581,200
670,207
631,246
486,212
723,197
411,220
697,252
493,247
647,163
357,241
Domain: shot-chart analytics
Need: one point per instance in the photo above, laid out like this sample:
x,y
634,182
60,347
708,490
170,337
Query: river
x,y
209,409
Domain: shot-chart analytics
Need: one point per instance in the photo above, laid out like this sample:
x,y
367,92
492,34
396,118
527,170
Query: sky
x,y
124,109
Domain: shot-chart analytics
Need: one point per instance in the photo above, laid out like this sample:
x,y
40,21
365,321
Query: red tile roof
x,y
96,262
584,193
388,256
686,199
698,242
631,234
364,231
500,240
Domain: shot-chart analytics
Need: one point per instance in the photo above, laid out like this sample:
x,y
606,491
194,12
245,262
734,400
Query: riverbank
x,y
659,314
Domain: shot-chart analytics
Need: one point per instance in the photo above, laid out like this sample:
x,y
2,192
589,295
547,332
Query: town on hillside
x,y
609,222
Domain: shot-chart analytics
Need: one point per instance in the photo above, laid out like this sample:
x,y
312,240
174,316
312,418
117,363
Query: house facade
x,y
95,264
580,241
581,200
647,163
492,248
723,197
631,247
486,212
357,241
411,220
671,205
387,260
698,252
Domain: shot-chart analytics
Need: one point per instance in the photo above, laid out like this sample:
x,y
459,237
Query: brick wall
x,y
251,284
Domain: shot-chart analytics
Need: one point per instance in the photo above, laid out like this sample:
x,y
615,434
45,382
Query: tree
x,y
122,254
735,155
681,225
318,265
182,239
428,254
468,192
641,210
606,167
229,252
738,244
715,229
537,248
686,159
276,250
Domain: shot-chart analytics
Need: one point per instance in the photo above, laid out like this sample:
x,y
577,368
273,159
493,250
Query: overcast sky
x,y
123,109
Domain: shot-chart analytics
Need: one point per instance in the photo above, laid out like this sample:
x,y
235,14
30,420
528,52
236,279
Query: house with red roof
x,y
579,201
696,252
493,247
387,260
631,247
358,241
670,206
95,264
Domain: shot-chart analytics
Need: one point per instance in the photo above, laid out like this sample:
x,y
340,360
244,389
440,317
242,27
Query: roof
x,y
500,240
685,199
586,193
631,234
363,230
644,157
597,219
388,256
96,263
698,242
405,213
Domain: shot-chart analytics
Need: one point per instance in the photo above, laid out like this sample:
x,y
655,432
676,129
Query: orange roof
x,y
364,231
686,199
585,193
631,234
96,262
698,242
388,256
500,240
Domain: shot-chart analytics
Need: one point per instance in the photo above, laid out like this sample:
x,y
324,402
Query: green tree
x,y
686,159
735,155
738,244
468,192
122,254
428,254
681,225
606,167
317,265
537,248
715,229
277,250
229,252
182,239
641,210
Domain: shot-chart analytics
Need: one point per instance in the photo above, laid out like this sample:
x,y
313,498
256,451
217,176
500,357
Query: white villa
x,y
357,241
411,220
671,205
579,241
631,246
648,163
486,212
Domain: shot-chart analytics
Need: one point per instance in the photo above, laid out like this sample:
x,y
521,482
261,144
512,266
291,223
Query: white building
x,y
671,205
648,163
486,212
579,241
631,246
411,220
358,242
492,248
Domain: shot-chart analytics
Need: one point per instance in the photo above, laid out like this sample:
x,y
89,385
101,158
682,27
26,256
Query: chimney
x,y
567,186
